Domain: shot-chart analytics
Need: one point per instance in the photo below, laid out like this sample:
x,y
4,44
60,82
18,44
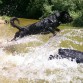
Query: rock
x,y
68,53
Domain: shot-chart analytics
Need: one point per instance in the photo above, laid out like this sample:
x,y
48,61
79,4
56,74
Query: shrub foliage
x,y
41,8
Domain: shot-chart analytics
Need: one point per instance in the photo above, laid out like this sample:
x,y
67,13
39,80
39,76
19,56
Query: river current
x,y
26,60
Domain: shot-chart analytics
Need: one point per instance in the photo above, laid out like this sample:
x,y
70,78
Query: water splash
x,y
35,66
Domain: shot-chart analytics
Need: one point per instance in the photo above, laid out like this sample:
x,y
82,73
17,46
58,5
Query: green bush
x,y
78,22
0,1
34,9
41,8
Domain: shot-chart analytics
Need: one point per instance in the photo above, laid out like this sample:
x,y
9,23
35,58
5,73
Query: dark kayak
x,y
68,53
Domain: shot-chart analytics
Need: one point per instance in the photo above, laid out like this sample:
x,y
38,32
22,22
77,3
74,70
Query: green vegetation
x,y
37,9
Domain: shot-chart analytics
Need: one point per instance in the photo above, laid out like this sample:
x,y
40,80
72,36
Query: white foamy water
x,y
35,66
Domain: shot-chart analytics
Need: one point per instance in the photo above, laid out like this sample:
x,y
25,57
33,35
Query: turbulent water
x,y
26,60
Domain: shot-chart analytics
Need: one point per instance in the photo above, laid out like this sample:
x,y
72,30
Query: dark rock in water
x,y
69,53
73,54
51,57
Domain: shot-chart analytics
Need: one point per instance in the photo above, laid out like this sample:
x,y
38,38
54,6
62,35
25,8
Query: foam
x,y
34,65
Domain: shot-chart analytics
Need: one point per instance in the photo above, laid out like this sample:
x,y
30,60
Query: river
x,y
26,60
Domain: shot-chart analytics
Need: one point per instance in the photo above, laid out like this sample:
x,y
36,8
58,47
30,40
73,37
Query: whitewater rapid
x,y
34,65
